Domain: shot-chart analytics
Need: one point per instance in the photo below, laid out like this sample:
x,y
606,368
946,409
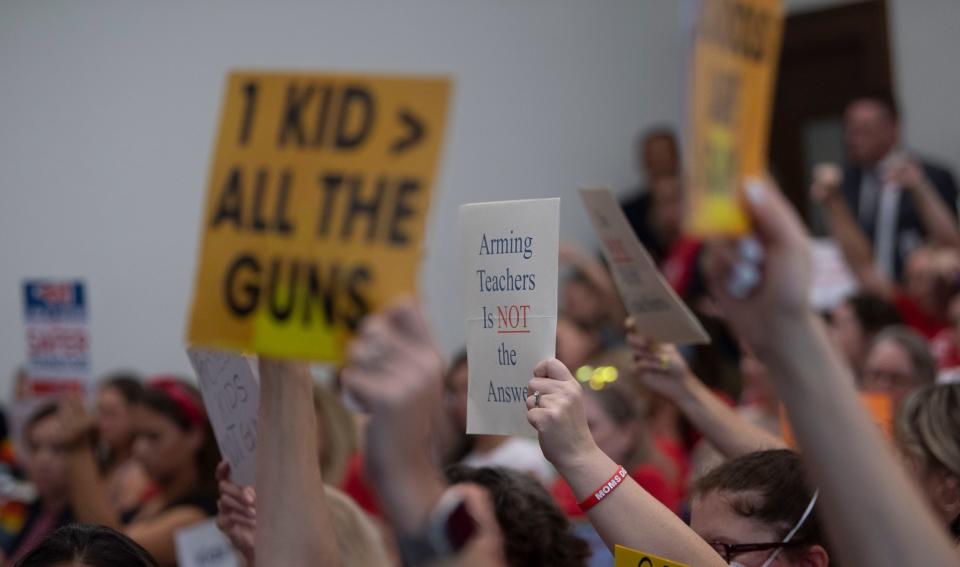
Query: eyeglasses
x,y
730,550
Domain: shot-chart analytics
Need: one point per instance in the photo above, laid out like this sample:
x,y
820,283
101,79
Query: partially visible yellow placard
x,y
316,208
735,55
626,557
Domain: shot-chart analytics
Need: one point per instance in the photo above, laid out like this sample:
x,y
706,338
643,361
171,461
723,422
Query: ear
x,y
946,491
196,437
815,556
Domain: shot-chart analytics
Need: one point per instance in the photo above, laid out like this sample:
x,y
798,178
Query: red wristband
x,y
604,490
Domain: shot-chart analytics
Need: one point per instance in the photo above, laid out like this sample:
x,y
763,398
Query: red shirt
x,y
647,476
916,319
356,486
680,264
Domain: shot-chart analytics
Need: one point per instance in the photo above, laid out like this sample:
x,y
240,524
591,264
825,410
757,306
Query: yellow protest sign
x,y
735,55
316,208
626,557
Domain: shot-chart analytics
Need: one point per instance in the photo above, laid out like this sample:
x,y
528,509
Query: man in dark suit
x,y
894,196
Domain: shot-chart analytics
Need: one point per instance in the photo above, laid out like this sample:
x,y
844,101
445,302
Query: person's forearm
x,y
857,475
406,481
855,246
935,215
630,516
723,427
88,492
293,525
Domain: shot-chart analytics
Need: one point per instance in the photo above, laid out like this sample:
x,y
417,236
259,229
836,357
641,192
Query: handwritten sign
x,y
510,253
318,197
203,545
231,395
626,557
735,54
58,338
649,299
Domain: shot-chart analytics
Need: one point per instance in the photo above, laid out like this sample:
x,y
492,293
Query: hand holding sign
x,y
782,294
237,513
555,410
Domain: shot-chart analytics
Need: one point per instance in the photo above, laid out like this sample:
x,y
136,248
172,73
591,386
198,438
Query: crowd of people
x,y
795,438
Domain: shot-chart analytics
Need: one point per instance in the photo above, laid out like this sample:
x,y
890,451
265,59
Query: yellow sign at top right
x,y
735,54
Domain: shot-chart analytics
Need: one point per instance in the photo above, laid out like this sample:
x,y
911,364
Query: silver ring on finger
x,y
536,398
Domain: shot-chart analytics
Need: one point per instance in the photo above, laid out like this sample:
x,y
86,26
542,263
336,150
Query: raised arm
x,y
396,374
936,215
90,500
628,515
845,230
867,497
89,497
663,370
293,527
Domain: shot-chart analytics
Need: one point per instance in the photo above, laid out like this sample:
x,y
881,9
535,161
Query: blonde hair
x,y
928,425
338,436
360,540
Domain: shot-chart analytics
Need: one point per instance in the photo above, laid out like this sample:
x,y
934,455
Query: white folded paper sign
x,y
510,258
203,545
649,299
231,395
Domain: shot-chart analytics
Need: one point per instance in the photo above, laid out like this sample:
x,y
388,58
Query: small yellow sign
x,y
316,208
626,557
735,55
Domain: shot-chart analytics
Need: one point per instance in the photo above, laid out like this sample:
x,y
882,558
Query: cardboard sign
x,y
626,557
203,545
317,203
510,253
658,312
58,339
735,55
231,395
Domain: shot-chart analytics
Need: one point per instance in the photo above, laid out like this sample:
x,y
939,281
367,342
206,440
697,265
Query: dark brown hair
x,y
207,458
770,487
96,546
535,530
873,313
127,384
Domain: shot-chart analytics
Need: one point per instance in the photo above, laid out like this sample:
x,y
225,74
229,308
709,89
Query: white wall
x,y
108,110
926,58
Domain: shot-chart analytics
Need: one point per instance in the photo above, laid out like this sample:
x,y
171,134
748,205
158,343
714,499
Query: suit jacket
x,y
910,231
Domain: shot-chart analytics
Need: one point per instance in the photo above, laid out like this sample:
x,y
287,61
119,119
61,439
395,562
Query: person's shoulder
x,y
938,172
637,199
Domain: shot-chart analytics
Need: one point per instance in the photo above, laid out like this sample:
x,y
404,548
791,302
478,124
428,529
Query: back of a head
x,y
873,313
534,528
89,546
930,421
127,384
773,489
359,539
916,347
